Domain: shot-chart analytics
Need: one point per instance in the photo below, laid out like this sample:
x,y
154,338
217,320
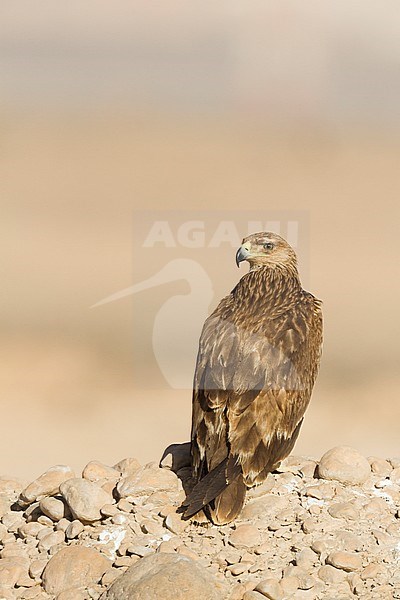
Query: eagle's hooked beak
x,y
242,254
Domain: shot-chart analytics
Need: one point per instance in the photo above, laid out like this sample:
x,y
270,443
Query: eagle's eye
x,y
268,246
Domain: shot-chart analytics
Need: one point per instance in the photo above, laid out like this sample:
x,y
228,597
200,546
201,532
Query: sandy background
x,y
109,109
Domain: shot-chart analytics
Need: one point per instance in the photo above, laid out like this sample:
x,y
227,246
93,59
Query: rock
x,y
110,576
270,588
54,508
109,510
289,585
76,593
343,510
125,506
174,523
263,506
305,558
344,464
6,593
4,505
10,487
371,571
13,521
379,466
239,568
84,499
30,529
52,539
74,566
74,529
330,574
166,576
127,466
176,456
348,561
147,480
95,471
37,567
9,572
395,476
245,536
47,484
323,491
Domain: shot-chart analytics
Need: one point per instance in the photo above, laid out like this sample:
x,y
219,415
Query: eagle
x,y
258,358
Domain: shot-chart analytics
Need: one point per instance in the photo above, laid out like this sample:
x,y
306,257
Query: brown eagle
x,y
258,358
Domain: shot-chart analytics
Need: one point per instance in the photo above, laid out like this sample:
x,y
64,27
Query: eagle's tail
x,y
221,493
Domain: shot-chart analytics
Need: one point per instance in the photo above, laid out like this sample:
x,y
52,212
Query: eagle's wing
x,y
252,385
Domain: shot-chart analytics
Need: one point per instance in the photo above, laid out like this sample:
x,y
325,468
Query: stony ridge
x,y
327,529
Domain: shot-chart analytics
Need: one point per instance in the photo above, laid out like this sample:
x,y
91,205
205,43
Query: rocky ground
x,y
327,529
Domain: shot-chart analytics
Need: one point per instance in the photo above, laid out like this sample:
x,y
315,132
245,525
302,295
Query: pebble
x,y
289,585
147,480
330,574
270,588
344,464
95,471
125,506
347,561
31,529
395,476
54,508
74,529
264,506
63,524
380,466
52,539
127,466
109,510
37,567
245,536
174,523
371,571
239,568
9,572
84,499
343,510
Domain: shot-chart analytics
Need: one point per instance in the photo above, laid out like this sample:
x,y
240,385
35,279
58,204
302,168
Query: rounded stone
x,y
72,567
166,576
270,588
245,536
84,499
47,484
344,464
347,561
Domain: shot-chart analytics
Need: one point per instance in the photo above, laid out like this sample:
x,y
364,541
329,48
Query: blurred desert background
x,y
110,108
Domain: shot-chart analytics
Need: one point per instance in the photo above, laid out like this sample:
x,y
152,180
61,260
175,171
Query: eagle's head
x,y
266,249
